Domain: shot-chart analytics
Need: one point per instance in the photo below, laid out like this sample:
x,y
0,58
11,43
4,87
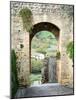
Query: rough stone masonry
x,y
59,15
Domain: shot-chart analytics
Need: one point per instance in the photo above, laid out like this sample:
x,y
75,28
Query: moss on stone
x,y
70,49
26,15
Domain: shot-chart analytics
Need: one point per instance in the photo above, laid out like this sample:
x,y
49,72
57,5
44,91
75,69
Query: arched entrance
x,y
45,26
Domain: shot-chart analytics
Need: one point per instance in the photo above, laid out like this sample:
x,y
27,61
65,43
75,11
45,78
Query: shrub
x,y
41,50
14,81
36,65
70,49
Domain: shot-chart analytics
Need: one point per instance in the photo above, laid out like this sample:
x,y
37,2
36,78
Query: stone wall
x,y
52,69
20,43
44,71
59,15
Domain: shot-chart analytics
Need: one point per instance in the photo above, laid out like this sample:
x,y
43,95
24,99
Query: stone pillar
x,y
58,70
23,68
27,63
44,71
65,72
30,53
20,43
52,69
59,60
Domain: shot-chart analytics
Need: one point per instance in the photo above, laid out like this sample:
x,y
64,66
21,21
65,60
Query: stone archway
x,y
43,15
44,26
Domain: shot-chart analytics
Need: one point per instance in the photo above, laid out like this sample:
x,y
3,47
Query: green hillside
x,y
44,42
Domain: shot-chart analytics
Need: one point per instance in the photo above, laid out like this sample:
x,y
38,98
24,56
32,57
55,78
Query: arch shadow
x,y
45,26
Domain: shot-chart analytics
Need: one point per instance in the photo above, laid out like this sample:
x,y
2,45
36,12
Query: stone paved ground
x,y
44,90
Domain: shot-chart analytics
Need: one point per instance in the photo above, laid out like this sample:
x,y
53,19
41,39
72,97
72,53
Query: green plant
x,y
14,80
36,65
41,50
44,42
26,15
70,49
58,55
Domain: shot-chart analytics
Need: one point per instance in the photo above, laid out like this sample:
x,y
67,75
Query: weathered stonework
x,y
59,15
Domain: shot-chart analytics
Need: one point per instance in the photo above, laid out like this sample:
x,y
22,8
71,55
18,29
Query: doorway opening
x,y
44,46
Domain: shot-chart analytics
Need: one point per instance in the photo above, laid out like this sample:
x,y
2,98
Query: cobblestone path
x,y
52,89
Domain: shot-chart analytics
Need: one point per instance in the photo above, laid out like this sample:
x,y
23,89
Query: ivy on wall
x,y
27,18
70,49
14,79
